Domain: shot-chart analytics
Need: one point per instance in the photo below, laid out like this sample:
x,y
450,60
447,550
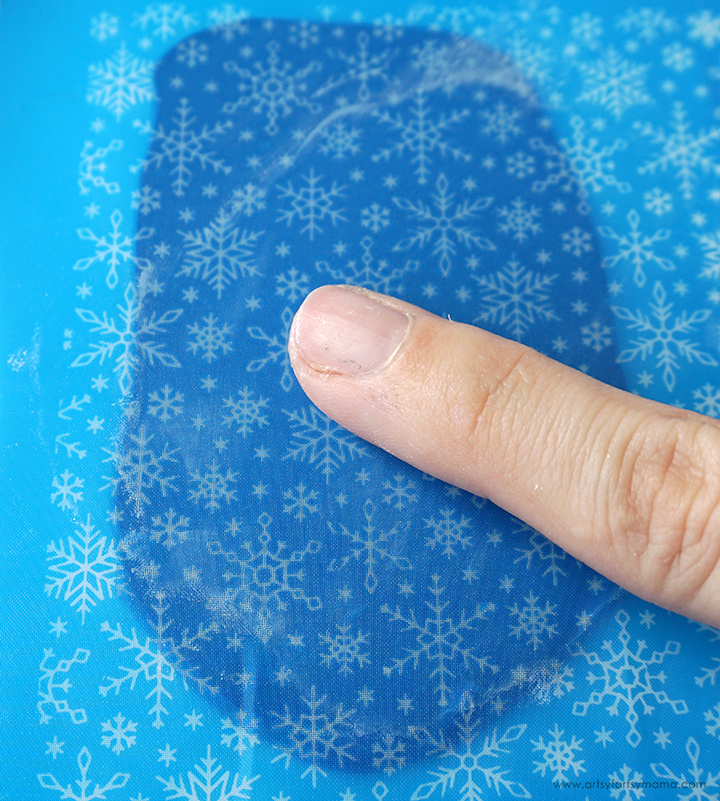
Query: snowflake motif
x,y
421,136
121,82
192,52
648,23
707,400
208,782
321,442
371,547
362,67
240,735
274,90
464,759
145,200
545,551
93,166
48,687
597,336
400,492
165,405
558,756
344,648
705,27
712,720
300,501
339,141
625,680
266,578
317,735
665,333
614,83
389,754
277,350
532,59
248,199
637,248
519,220
629,784
447,226
135,338
439,639
520,165
501,122
159,660
182,146
164,19
244,412
119,733
311,204
587,30
69,492
697,786
228,21
104,26
139,469
658,202
115,247
577,241
172,529
375,217
213,486
554,681
84,569
369,272
447,532
294,284
49,782
580,166
678,57
682,149
515,298
710,244
304,34
210,338
533,621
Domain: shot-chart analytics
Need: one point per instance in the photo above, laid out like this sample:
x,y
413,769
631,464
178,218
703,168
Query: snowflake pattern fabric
x,y
237,598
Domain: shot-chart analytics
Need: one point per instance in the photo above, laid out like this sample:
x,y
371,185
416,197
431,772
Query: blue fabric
x,y
222,593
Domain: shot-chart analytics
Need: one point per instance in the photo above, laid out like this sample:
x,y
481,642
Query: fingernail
x,y
339,329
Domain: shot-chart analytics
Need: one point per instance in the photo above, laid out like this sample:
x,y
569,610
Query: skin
x,y
629,486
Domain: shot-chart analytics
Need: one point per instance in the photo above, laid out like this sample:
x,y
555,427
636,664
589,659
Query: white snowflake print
x,y
515,298
649,23
165,404
263,579
292,284
311,204
317,735
467,761
275,90
277,351
84,570
625,680
183,146
114,248
401,492
344,648
614,83
370,272
145,200
219,253
421,135
68,490
339,140
663,336
439,639
710,244
519,220
697,781
581,165
362,67
587,29
707,400
705,27
300,501
158,659
49,688
93,167
164,19
133,339
389,754
596,335
171,529
228,21
712,721
208,782
121,82
370,547
321,442
117,782
682,149
637,248
375,217
210,338
139,469
240,735
545,551
501,122
629,784
248,199
212,486
445,223
533,621
104,26
244,412
577,241
558,755
119,733
192,52
448,533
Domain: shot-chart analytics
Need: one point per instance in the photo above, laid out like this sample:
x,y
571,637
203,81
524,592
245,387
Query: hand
x,y
629,486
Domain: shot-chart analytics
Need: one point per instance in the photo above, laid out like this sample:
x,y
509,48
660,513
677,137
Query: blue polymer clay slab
x,y
350,607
